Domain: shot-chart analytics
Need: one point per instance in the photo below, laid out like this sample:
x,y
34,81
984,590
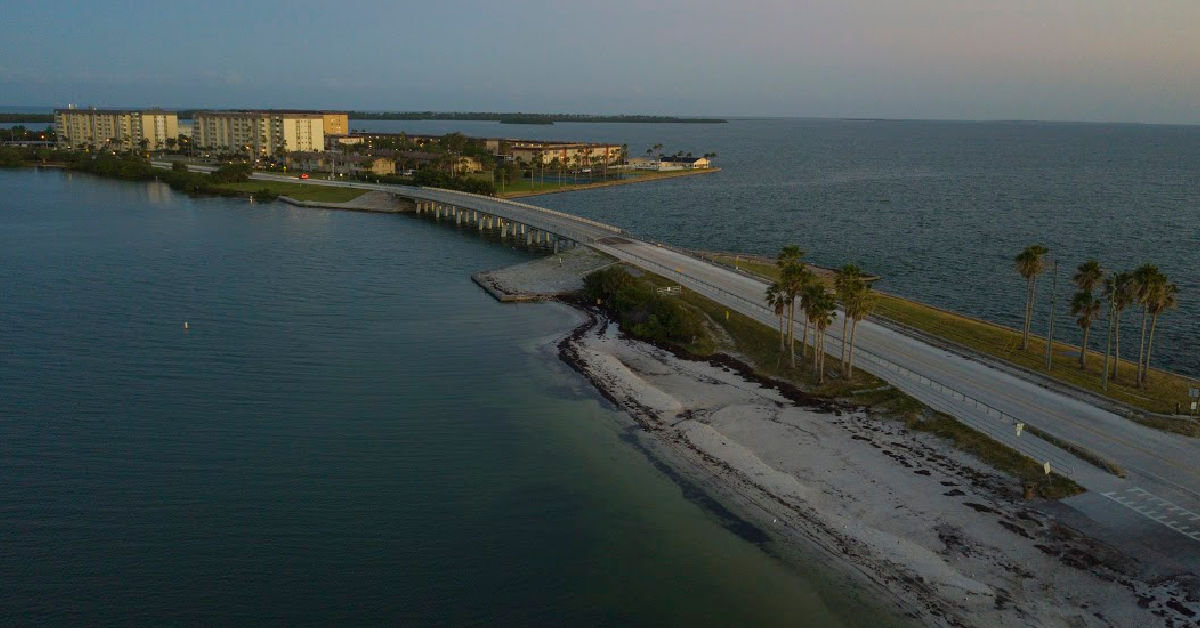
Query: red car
x,y
304,175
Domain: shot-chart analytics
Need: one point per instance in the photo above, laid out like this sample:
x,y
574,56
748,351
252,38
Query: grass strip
x,y
298,191
1162,392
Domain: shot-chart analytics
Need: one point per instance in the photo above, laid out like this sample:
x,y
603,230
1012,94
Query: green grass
x,y
1163,388
758,345
298,191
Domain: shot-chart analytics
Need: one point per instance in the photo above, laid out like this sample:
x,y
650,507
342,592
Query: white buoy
x,y
185,325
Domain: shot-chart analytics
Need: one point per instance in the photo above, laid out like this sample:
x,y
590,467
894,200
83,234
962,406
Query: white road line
x,y
1141,504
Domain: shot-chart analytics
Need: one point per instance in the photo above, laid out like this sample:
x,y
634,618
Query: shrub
x,y
641,310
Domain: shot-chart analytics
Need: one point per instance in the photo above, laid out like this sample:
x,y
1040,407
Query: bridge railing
x,y
933,393
543,210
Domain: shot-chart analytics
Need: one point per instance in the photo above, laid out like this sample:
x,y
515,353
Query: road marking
x,y
1156,509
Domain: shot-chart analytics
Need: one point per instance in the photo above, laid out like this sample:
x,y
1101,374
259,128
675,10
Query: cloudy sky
x,y
1091,60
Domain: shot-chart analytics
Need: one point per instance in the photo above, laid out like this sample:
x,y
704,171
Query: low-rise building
x,y
683,163
124,129
570,154
373,165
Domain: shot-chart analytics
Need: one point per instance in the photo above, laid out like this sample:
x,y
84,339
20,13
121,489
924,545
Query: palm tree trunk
x,y
804,339
1149,344
782,333
1028,309
850,351
1107,349
792,331
1083,348
821,360
1141,348
816,348
1116,343
842,360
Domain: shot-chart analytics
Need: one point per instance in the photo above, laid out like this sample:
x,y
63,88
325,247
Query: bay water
x,y
346,431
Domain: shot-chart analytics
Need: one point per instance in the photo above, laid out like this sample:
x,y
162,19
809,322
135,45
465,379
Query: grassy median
x,y
298,191
1162,391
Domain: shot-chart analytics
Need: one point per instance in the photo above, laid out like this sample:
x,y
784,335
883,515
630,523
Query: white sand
x,y
935,533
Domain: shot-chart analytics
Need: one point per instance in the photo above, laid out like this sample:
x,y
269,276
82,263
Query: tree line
x,y
1145,288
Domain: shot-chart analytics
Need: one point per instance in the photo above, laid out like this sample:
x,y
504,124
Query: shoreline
x,y
608,184
951,544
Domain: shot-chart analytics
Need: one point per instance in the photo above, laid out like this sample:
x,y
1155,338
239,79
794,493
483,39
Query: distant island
x,y
26,117
523,118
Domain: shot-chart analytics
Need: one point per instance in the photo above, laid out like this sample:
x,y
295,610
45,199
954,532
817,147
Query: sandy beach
x,y
928,530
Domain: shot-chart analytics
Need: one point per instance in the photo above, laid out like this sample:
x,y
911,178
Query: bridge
x,y
1159,497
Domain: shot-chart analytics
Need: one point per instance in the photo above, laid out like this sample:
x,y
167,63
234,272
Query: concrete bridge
x,y
1159,495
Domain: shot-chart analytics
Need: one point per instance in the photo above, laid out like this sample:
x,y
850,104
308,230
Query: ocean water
x,y
938,209
348,431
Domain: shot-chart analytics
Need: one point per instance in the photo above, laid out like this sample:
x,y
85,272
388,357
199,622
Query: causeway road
x,y
1159,495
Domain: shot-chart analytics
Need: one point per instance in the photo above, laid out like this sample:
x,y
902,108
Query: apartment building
x,y
123,129
570,154
264,132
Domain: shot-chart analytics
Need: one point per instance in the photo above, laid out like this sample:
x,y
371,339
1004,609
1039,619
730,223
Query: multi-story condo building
x,y
265,132
125,129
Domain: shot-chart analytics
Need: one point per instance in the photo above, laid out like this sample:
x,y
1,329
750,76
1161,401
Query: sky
x,y
1085,60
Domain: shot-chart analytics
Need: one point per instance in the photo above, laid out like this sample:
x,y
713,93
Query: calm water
x,y
348,432
937,208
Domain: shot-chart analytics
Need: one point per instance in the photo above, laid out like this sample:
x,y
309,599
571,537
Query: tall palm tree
x,y
1030,264
792,278
857,302
1164,297
1088,276
777,301
1119,290
1146,281
1086,308
819,307
846,286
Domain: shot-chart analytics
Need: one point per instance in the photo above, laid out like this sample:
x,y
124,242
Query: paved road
x,y
1163,470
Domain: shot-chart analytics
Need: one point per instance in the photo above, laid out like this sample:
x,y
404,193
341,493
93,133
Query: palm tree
x,y
857,302
819,307
792,278
539,158
1088,276
1029,264
1146,280
777,301
1119,290
1086,308
846,286
1164,297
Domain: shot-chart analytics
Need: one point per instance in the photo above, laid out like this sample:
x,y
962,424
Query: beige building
x,y
123,129
261,132
570,154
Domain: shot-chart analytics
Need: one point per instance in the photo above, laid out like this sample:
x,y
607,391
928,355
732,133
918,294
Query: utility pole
x,y
1050,334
